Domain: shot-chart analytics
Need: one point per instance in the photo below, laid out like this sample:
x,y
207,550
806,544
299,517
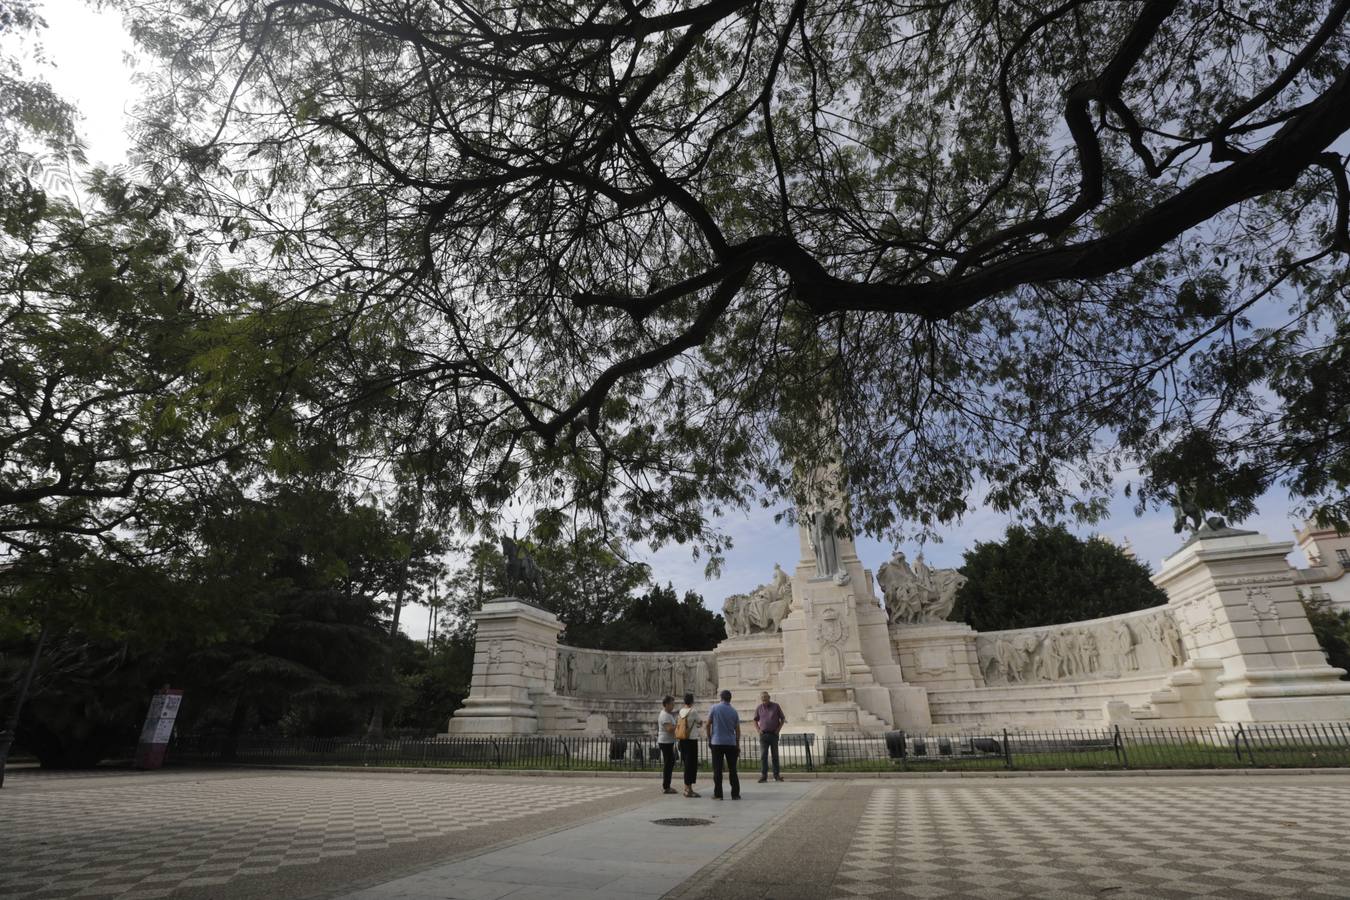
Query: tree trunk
x,y
375,728
12,725
230,751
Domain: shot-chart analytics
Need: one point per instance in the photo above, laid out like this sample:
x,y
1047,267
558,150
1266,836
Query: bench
x,y
920,748
1045,745
804,741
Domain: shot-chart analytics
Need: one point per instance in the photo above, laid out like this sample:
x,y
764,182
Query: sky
x,y
91,65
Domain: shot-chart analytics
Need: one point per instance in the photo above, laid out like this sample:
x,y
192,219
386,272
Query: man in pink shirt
x,y
769,720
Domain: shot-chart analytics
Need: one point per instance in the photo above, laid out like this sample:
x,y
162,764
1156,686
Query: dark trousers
x,y
689,756
667,763
768,742
725,754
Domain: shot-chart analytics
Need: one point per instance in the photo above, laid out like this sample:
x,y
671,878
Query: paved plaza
x,y
234,834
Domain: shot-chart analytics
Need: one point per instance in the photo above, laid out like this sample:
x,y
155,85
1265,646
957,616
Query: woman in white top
x,y
665,739
688,724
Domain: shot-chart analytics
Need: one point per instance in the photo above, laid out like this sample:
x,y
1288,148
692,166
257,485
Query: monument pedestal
x,y
750,663
938,655
1233,599
515,655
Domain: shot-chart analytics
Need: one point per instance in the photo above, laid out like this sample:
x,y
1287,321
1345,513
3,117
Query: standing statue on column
x,y
823,544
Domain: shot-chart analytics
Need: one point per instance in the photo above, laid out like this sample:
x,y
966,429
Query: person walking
x,y
665,739
724,740
686,735
769,720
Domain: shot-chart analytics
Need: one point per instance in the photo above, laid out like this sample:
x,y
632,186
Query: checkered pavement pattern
x,y
1227,838
142,837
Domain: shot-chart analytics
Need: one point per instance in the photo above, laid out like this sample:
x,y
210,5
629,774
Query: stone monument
x,y
1232,644
515,659
1234,610
829,661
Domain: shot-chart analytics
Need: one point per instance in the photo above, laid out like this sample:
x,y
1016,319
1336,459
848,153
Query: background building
x,y
1328,561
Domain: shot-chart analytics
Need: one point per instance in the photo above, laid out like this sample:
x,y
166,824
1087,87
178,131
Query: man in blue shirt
x,y
724,740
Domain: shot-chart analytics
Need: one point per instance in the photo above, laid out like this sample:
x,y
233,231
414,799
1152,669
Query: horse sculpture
x,y
1186,510
522,572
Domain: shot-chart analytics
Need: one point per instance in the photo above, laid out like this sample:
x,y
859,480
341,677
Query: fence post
x,y
1240,741
810,766
1007,751
1121,753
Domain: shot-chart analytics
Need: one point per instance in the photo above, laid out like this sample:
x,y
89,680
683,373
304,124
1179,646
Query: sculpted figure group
x,y
763,609
920,594
1081,651
603,674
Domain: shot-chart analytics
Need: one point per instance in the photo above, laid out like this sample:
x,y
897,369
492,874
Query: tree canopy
x,y
639,259
1044,575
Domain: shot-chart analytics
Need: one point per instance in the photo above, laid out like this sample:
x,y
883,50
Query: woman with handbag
x,y
686,735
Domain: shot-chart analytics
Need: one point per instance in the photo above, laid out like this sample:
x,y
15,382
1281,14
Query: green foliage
x,y
1043,575
596,594
434,680
92,708
952,247
660,620
128,360
1332,629
586,583
268,606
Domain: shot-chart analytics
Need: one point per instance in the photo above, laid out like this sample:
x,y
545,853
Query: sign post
x,y
158,728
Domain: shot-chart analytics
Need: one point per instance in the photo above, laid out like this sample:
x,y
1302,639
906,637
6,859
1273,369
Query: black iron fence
x,y
1235,746
1223,746
514,752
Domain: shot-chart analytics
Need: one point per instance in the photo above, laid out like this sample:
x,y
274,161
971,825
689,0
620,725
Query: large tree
x,y
643,257
1044,575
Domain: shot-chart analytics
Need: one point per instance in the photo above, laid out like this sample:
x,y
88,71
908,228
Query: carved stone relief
x,y
1262,604
1085,650
611,674
831,633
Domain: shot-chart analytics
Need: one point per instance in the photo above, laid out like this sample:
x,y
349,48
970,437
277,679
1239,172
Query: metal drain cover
x,y
678,822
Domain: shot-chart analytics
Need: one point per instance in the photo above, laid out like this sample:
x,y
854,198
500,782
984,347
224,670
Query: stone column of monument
x,y
1231,594
514,659
837,655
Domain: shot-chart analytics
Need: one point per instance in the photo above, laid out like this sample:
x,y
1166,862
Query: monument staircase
x,y
627,718
1047,704
564,715
1185,698
851,743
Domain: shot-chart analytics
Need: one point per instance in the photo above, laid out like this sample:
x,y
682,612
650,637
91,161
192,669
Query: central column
x,y
837,635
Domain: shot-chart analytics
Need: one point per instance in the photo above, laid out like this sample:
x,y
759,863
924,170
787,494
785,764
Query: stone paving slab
x,y
627,855
217,833
1155,838
272,835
